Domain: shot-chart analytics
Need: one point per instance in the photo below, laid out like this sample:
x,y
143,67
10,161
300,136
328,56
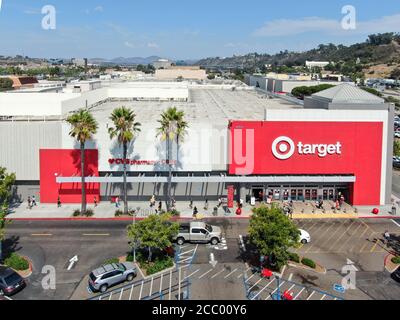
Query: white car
x,y
397,134
304,237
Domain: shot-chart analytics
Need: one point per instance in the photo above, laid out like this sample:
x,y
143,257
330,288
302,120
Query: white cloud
x,y
287,27
153,45
129,44
99,9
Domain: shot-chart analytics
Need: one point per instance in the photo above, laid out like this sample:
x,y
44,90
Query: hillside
x,y
379,55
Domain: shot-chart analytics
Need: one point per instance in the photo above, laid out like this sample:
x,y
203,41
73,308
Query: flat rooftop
x,y
204,105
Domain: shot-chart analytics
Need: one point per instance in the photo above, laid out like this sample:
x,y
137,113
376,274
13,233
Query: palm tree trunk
x,y
83,209
125,183
169,174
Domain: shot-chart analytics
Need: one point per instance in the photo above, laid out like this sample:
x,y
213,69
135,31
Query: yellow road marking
x,y
41,234
96,234
348,228
328,240
351,237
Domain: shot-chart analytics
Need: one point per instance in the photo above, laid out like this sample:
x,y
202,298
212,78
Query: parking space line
x,y
309,297
275,290
341,236
350,237
185,259
315,223
141,291
191,274
183,253
248,279
395,223
368,226
41,235
299,293
255,284
217,274
130,294
323,297
151,286
110,296
96,234
331,236
259,292
362,248
231,273
120,296
378,241
205,273
161,281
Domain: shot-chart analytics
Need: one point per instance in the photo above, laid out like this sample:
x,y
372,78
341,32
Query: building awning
x,y
212,179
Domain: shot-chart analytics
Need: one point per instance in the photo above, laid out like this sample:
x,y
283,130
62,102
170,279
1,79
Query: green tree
x,y
273,233
125,130
173,128
7,180
5,84
83,128
396,148
154,233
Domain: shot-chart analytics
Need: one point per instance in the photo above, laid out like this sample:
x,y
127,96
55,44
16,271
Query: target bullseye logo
x,y
283,148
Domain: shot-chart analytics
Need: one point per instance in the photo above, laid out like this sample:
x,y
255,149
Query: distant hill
x,y
376,50
125,61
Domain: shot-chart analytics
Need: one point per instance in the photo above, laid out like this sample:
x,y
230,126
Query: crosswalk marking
x,y
299,293
262,289
217,274
206,273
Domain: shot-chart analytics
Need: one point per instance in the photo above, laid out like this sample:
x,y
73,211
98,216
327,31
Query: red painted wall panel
x,y
360,152
66,163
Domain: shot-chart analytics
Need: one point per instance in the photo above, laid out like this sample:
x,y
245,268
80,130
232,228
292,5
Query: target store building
x,y
339,142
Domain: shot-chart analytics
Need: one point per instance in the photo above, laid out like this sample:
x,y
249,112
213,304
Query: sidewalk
x,y
106,210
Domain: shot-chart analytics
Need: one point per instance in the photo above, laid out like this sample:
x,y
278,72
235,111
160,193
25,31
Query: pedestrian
x,y
195,212
387,235
33,201
191,204
337,205
117,202
159,207
152,201
29,203
59,202
219,203
241,202
95,201
206,205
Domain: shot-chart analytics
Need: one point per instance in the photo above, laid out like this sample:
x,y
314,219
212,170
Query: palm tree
x,y
83,127
125,129
173,128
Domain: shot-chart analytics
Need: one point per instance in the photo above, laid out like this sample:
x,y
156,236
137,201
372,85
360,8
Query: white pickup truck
x,y
198,232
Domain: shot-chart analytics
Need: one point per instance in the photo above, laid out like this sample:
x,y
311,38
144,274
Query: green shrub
x,y
396,260
89,213
16,262
111,261
119,213
294,257
158,265
77,213
175,213
309,263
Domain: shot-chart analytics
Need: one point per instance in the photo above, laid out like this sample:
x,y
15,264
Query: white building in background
x,y
162,64
316,64
181,72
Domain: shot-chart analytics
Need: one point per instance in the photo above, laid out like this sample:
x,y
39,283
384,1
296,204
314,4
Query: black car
x,y
396,275
10,281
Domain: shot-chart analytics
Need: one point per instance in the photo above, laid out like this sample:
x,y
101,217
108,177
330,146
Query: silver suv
x,y
110,275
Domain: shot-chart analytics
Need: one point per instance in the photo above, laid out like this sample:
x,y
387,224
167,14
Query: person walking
x,y
59,202
152,201
219,203
195,212
34,201
159,207
95,201
29,203
117,202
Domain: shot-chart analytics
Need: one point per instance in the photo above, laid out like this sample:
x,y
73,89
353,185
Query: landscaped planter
x,y
318,268
23,272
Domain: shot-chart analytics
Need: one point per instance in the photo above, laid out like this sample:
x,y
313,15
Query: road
x,y
333,241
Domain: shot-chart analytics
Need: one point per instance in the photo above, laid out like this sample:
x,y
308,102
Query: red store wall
x,y
361,152
67,163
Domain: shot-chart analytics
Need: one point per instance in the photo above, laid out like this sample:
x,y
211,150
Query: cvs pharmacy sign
x,y
284,148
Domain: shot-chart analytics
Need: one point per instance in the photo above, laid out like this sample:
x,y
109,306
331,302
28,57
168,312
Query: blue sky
x,y
188,29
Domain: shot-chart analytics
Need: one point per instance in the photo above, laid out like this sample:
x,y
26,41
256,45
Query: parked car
x,y
396,275
397,134
304,237
198,232
10,281
110,275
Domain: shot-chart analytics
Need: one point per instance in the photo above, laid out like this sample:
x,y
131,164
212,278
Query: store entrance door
x,y
257,193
